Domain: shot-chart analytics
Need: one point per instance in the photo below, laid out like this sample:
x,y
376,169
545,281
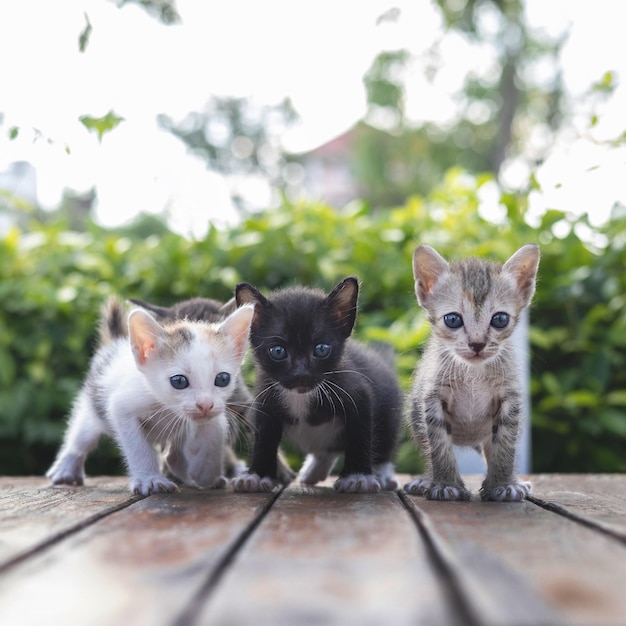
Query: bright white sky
x,y
315,52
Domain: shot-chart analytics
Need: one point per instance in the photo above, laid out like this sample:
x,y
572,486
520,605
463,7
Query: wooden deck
x,y
96,555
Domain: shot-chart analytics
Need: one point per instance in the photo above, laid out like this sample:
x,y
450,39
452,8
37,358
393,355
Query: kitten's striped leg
x,y
501,484
82,436
443,481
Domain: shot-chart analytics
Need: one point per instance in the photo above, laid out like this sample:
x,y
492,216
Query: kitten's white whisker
x,y
334,386
350,372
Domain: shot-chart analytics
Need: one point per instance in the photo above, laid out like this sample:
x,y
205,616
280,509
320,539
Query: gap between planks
x,y
451,571
190,614
579,519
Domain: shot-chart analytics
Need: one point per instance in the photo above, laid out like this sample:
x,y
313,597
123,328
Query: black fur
x,y
356,386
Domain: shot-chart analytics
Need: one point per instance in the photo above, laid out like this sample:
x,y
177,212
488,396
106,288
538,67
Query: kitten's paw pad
x,y
253,482
357,483
418,487
515,492
441,491
152,484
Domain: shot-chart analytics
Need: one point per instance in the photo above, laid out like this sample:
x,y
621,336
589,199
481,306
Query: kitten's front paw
x,y
437,491
67,471
385,474
443,491
515,492
253,482
418,487
357,483
220,482
152,484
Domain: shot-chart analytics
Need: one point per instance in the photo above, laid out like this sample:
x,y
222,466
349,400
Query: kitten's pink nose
x,y
477,347
205,407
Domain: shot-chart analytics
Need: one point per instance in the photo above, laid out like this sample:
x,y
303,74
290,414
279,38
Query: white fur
x,y
141,408
385,474
316,467
311,439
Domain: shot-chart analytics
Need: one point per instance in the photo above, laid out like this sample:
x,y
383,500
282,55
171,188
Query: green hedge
x,y
52,283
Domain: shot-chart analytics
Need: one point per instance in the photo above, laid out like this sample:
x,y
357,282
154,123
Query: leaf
x,y
616,398
83,39
606,84
13,132
101,125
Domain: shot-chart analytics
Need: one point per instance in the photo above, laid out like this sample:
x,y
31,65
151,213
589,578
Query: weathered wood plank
x,y
595,499
491,592
321,557
33,513
141,565
577,571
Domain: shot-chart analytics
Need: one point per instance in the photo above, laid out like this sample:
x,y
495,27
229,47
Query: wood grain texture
x,y
32,512
577,571
141,565
597,499
95,555
321,557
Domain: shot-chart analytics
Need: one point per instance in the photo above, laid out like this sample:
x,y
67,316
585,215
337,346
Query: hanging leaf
x,y
83,39
101,125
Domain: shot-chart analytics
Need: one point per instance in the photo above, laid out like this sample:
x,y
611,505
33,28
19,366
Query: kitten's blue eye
x,y
500,320
453,320
222,379
178,381
278,353
321,350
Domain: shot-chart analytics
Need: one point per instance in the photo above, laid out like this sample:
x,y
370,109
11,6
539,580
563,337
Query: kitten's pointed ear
x,y
237,327
145,333
428,267
342,303
245,293
523,267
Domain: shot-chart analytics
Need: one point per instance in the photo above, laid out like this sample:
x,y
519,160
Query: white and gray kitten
x,y
157,384
466,388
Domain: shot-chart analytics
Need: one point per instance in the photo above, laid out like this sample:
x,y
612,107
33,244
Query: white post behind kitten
x,y
467,389
157,384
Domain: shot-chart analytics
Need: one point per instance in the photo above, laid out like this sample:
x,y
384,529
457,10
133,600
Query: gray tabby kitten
x,y
466,389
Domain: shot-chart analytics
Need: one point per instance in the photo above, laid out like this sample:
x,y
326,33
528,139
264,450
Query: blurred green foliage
x,y
53,282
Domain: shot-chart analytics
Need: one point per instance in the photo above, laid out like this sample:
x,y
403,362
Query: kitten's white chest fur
x,y
470,409
306,437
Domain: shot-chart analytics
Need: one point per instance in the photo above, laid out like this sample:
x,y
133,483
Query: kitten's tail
x,y
113,323
159,311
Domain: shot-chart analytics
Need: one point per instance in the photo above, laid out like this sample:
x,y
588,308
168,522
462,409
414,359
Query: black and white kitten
x,y
326,393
